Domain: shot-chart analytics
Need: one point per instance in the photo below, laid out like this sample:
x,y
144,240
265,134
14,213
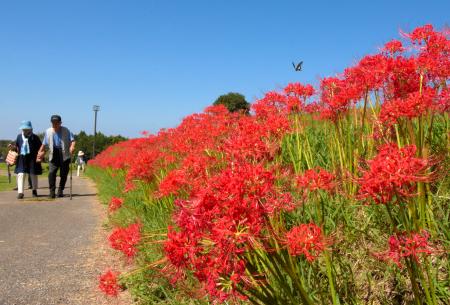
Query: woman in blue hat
x,y
27,145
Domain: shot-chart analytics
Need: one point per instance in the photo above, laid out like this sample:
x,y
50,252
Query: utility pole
x,y
96,109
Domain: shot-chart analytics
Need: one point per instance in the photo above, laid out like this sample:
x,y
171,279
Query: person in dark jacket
x,y
27,145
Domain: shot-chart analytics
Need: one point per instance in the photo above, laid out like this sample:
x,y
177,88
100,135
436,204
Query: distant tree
x,y
234,102
84,142
4,148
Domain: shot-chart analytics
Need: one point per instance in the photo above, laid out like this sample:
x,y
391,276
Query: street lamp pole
x,y
96,109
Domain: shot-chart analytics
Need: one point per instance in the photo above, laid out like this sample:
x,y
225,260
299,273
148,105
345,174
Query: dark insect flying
x,y
298,67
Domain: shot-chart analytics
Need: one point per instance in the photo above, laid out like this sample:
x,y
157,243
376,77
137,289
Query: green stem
x,y
418,273
430,281
289,268
414,285
272,266
297,138
397,136
334,296
363,119
291,154
393,221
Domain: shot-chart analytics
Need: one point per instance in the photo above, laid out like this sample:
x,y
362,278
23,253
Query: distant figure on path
x,y
61,144
80,163
27,145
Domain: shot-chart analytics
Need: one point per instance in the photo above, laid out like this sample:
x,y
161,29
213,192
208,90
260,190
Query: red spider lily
x,y
297,94
312,107
271,102
393,172
221,220
433,58
109,284
394,46
126,239
369,74
339,93
443,103
271,112
251,147
144,169
317,179
421,33
173,183
334,95
402,77
307,240
414,105
407,244
115,203
200,157
120,155
300,90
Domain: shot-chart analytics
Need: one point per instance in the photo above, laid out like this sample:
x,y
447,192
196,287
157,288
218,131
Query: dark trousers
x,y
63,166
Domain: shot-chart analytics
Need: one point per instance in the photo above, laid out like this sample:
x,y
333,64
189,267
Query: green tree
x,y
4,148
234,102
84,142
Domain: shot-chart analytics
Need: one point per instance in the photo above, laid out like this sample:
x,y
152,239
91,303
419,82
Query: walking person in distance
x,y
80,163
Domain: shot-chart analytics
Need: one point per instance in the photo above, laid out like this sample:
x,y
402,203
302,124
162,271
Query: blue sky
x,y
150,63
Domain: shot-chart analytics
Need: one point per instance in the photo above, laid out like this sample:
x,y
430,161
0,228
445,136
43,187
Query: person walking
x,y
61,145
80,162
27,145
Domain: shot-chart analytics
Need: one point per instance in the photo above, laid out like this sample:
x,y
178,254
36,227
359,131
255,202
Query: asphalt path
x,y
46,246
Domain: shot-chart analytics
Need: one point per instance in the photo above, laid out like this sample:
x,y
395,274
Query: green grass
x,y
4,183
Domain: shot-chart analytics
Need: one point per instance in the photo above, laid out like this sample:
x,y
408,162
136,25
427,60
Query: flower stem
x,y
334,296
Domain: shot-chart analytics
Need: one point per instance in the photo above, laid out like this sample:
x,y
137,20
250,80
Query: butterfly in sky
x,y
298,67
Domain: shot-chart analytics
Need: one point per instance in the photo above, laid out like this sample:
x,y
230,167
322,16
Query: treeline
x,y
4,148
84,141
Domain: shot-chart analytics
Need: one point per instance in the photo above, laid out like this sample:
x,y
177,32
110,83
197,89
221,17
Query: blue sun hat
x,y
26,125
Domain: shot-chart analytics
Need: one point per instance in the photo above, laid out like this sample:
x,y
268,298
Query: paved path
x,y
48,248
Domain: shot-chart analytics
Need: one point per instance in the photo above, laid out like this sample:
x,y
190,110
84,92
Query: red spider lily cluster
x,y
393,172
229,184
307,240
317,179
411,106
126,239
407,245
222,220
114,204
109,283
